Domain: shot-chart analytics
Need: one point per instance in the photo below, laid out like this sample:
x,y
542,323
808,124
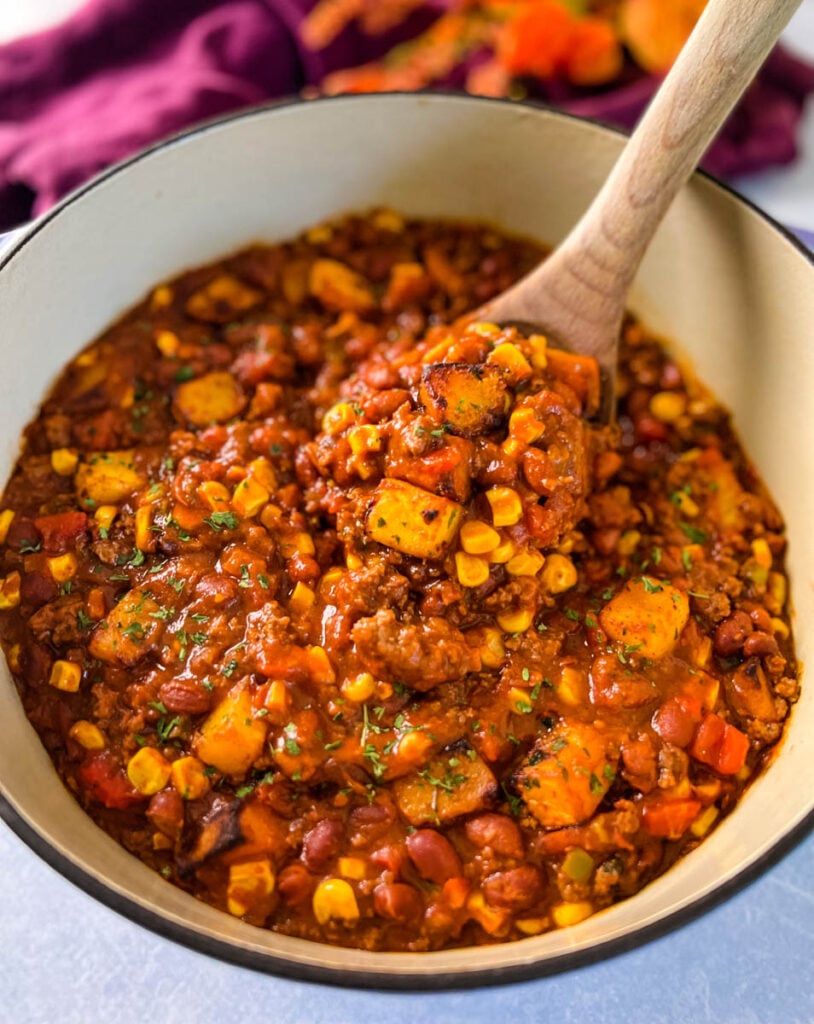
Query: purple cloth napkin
x,y
120,74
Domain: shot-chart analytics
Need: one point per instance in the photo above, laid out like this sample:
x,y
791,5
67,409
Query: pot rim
x,y
372,977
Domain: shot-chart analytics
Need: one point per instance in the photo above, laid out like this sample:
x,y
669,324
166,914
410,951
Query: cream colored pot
x,y
735,293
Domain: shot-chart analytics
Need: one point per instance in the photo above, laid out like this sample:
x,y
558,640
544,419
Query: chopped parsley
x,y
222,521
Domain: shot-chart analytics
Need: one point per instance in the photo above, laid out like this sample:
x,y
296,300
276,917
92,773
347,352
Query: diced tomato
x,y
720,745
106,782
670,819
61,531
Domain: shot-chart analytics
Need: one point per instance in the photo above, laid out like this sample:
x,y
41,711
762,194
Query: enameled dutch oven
x,y
732,290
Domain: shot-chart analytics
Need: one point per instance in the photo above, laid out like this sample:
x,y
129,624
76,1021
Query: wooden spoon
x,y
577,295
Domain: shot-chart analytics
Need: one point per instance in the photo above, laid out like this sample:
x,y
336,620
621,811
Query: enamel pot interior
x,y
734,293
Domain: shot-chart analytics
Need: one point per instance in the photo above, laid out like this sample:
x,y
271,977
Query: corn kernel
x,y
506,505
413,746
704,822
162,842
86,358
668,406
489,918
686,505
388,220
66,676
492,649
249,497
277,700
484,329
162,297
566,914
539,345
104,516
359,688
189,777
301,600
516,621
10,591
708,791
321,668
572,686
558,574
87,735
334,899
703,652
148,771
128,398
63,567
478,538
525,427
761,552
13,657
167,343
365,438
532,925
777,588
6,519
628,542
471,570
511,361
525,563
338,418
437,353
144,536
319,234
214,495
64,461
351,867
250,882
503,553
331,576
520,700
384,691
263,472
300,543
513,447
779,628
744,773
353,561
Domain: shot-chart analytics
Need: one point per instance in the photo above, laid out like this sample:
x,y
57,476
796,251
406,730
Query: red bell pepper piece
x,y
720,745
61,531
670,819
106,782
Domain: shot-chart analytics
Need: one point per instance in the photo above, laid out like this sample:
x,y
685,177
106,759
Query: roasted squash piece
x,y
339,288
130,631
107,478
470,399
452,784
412,520
567,774
222,299
231,739
213,398
647,616
580,373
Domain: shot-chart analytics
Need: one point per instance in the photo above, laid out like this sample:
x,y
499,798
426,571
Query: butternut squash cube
x,y
107,478
131,630
468,399
339,288
566,775
231,739
411,520
647,616
219,301
214,398
451,785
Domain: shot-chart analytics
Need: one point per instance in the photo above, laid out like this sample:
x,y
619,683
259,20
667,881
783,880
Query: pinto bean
x,y
433,855
760,645
731,634
184,697
321,844
515,889
496,831
295,885
675,723
397,901
166,813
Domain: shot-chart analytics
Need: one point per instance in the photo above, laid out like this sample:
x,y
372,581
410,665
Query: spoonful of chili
x,y
577,295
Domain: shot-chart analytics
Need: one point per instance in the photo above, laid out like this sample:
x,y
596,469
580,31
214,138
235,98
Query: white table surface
x,y
67,959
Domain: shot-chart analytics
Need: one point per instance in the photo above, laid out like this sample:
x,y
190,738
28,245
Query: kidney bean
x,y
184,696
295,885
388,858
515,889
166,813
216,588
731,634
321,844
496,831
37,589
370,821
303,569
761,619
433,855
397,901
760,645
538,471
674,723
648,428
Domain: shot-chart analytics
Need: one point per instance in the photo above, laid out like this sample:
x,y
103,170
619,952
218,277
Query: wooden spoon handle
x,y
578,294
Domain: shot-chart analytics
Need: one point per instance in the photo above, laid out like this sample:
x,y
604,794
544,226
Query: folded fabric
x,y
120,74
